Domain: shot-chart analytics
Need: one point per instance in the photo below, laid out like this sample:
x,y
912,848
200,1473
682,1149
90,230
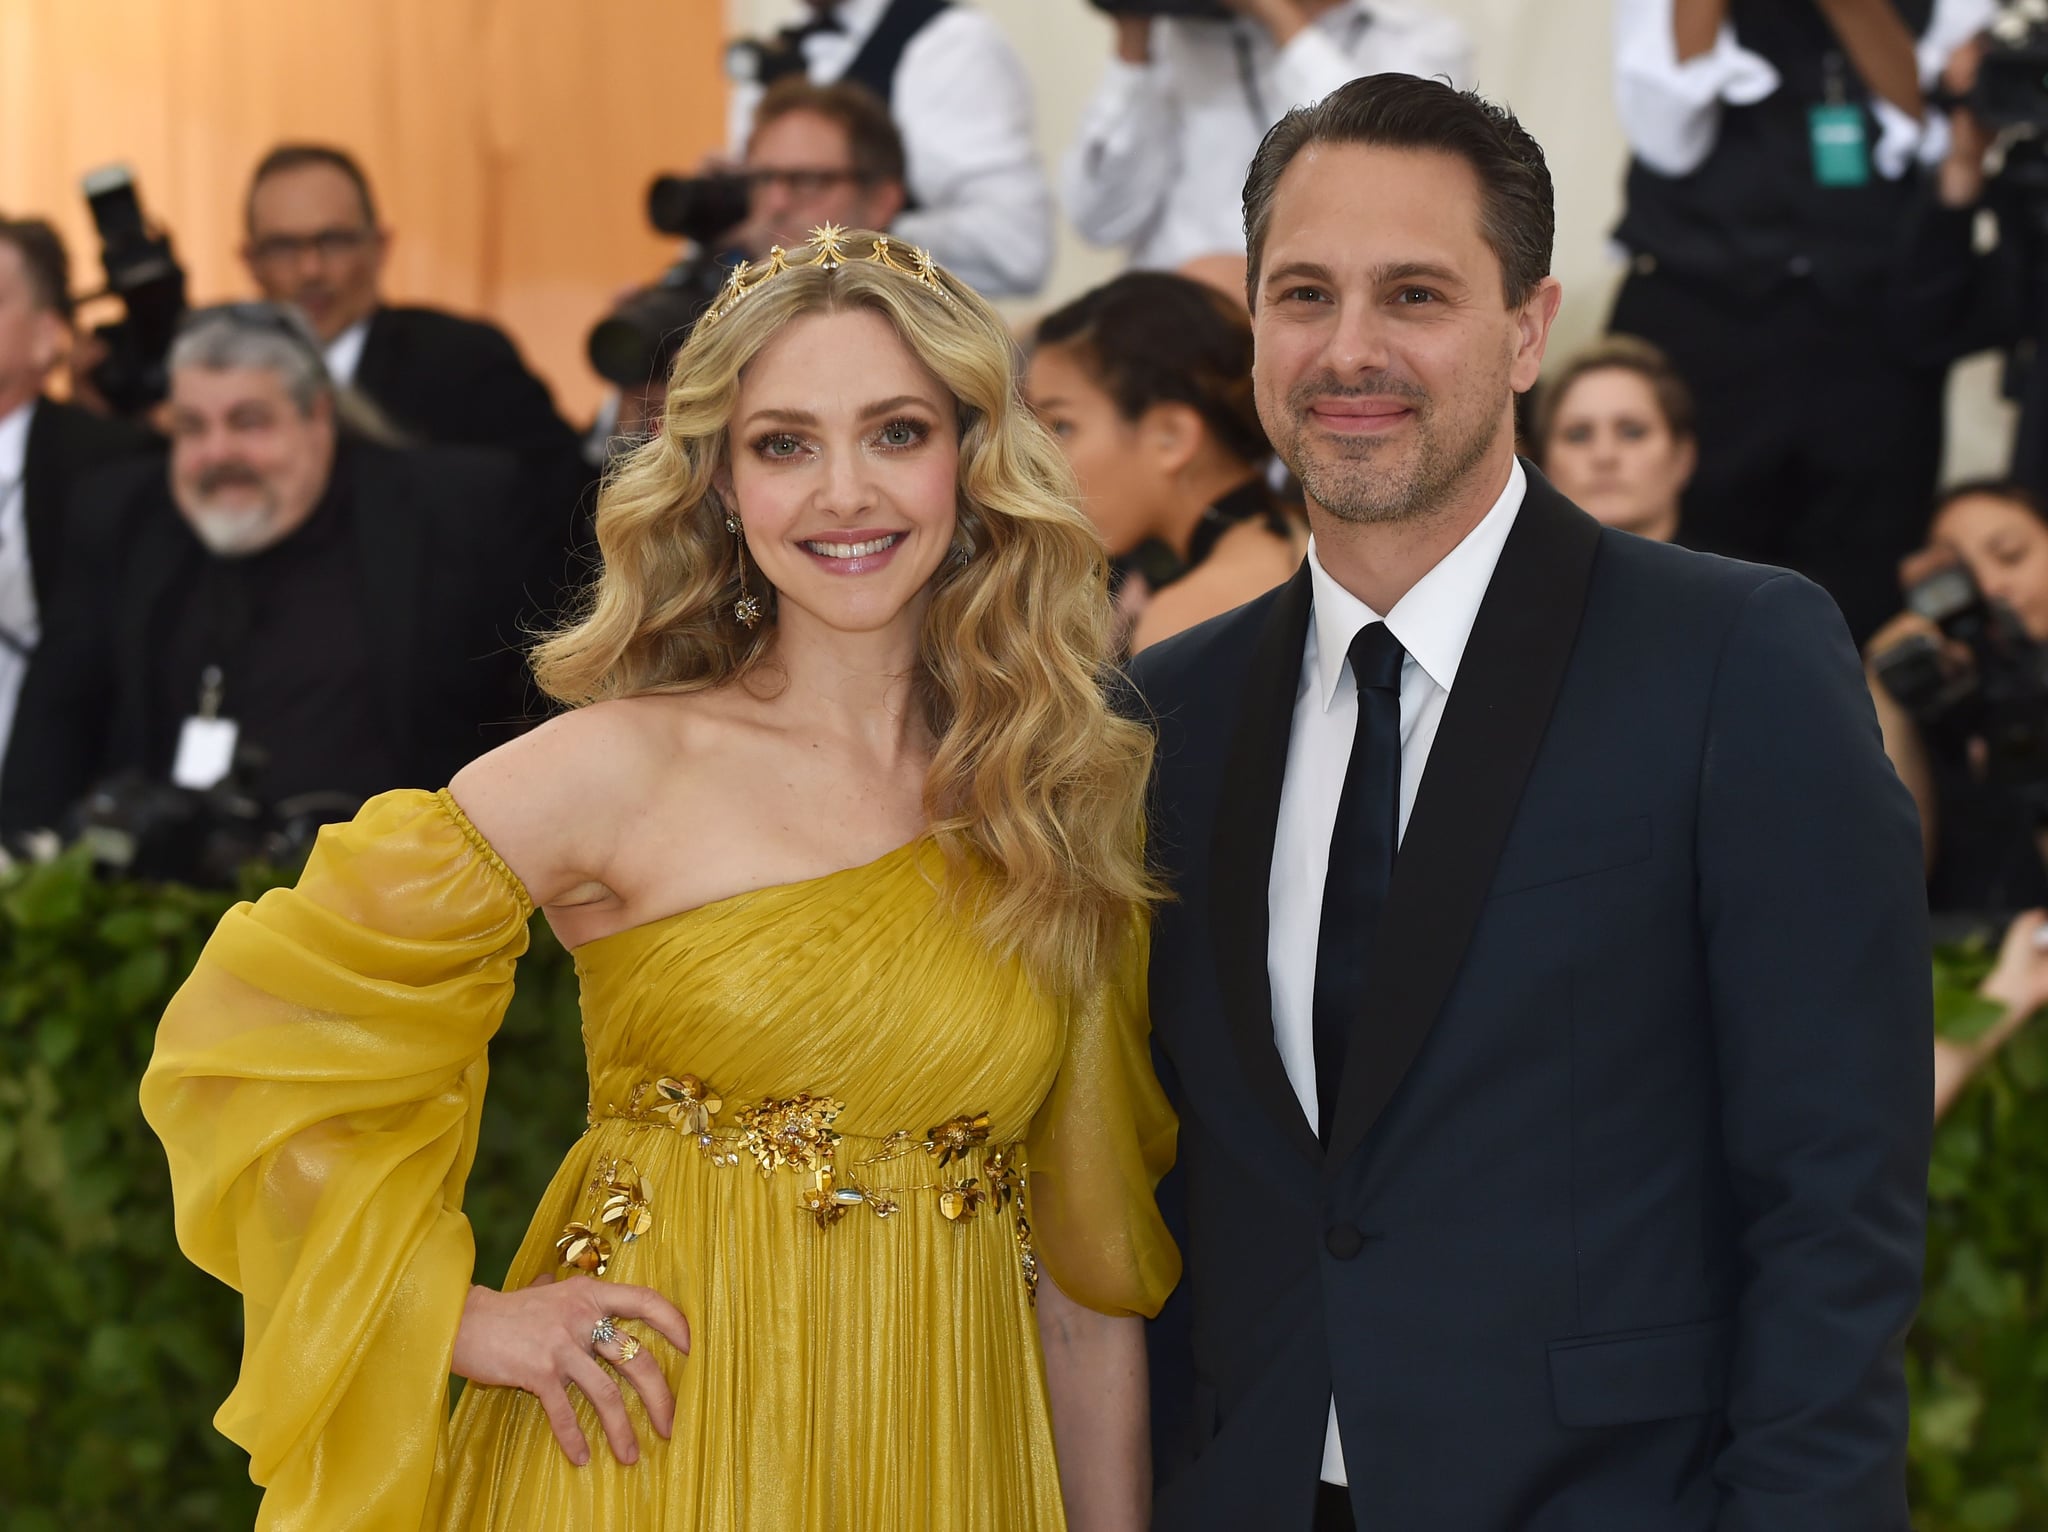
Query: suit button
x,y
1344,1241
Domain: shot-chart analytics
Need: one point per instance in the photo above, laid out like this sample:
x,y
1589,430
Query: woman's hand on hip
x,y
539,1339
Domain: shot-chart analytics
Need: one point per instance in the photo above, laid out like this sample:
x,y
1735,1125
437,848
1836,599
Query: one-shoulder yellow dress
x,y
829,1123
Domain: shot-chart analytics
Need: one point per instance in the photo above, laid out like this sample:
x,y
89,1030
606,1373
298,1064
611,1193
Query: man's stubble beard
x,y
1349,483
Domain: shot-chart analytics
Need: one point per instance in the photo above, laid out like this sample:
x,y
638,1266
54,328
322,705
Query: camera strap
x,y
1248,69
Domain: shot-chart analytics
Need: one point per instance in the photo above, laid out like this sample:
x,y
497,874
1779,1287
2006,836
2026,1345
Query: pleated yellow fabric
x,y
860,1359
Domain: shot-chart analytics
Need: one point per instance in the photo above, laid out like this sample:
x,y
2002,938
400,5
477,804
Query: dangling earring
x,y
748,608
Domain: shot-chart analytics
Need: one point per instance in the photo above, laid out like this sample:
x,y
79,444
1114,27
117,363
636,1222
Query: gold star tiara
x,y
827,250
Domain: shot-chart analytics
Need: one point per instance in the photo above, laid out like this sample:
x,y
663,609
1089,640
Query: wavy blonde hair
x,y
1034,778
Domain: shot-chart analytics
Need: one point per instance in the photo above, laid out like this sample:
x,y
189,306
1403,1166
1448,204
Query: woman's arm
x,y
2020,984
1095,1374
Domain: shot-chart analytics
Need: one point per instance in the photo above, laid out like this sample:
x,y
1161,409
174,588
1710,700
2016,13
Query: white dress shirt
x,y
963,105
345,353
1432,621
1160,161
20,625
1671,112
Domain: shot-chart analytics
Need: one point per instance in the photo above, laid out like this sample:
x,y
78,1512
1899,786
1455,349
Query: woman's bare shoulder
x,y
1247,563
552,801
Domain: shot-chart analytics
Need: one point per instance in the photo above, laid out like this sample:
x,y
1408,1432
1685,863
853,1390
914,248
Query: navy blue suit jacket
x,y
1620,1224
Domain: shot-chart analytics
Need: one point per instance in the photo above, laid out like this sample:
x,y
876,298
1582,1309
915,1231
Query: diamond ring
x,y
604,1331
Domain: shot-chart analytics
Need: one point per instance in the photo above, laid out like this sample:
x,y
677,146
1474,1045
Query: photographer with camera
x,y
1955,299
45,446
1773,145
314,241
1960,682
818,154
961,100
1193,85
294,620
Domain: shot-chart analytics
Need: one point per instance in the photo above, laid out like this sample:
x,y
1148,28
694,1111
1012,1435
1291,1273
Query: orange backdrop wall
x,y
509,142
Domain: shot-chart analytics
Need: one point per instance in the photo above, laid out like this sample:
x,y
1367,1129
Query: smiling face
x,y
1612,452
843,461
1387,356
248,466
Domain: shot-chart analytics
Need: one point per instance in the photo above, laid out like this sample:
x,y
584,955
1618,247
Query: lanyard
x,y
1248,69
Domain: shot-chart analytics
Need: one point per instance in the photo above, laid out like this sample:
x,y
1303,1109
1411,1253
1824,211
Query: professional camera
x,y
636,343
155,832
145,275
1999,697
700,208
1203,10
2012,79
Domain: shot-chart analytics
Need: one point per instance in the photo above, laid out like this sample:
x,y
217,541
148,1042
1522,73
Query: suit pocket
x,y
1636,1375
1573,851
1202,1422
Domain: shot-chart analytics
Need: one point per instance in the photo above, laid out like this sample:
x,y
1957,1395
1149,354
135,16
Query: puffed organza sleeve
x,y
1099,1146
317,1084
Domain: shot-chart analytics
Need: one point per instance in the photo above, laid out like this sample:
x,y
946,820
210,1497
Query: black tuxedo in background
x,y
1620,1224
442,587
448,381
455,382
65,446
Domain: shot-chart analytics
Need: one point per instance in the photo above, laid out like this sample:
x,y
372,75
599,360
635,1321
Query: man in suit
x,y
350,611
1567,1170
45,445
314,241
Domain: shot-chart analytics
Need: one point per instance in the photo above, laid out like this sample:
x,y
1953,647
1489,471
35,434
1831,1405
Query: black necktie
x,y
1362,846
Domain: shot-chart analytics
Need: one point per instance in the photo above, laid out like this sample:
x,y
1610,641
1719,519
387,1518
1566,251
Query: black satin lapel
x,y
1485,745
1241,858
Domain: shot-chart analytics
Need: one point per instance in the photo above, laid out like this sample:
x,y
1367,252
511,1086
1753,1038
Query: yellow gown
x,y
812,1107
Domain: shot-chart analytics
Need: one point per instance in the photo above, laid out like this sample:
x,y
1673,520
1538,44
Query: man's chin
x,y
233,531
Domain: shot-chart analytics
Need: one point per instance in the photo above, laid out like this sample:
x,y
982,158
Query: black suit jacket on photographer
x,y
1619,1223
440,599
67,445
447,381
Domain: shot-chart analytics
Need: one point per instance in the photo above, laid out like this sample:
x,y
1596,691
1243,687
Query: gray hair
x,y
269,336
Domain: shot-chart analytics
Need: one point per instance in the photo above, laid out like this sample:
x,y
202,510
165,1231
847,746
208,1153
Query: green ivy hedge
x,y
114,1351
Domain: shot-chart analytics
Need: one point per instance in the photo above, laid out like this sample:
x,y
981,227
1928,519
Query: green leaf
x,y
1987,1510
1963,1015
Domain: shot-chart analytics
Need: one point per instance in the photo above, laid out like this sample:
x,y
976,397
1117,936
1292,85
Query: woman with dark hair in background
x,y
1146,382
1613,429
1980,821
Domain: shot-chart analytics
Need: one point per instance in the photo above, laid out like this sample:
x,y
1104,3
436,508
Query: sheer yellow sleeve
x,y
1098,1147
317,1083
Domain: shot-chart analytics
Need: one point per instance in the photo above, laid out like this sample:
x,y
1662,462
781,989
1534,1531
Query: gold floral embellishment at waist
x,y
796,1134
799,1133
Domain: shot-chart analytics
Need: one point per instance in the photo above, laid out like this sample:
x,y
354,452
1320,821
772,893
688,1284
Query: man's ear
x,y
49,338
1532,332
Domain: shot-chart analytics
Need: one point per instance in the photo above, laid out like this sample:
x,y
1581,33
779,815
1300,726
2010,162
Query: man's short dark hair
x,y
873,143
1518,211
49,266
297,157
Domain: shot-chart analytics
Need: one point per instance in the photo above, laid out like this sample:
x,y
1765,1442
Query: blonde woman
x,y
847,848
